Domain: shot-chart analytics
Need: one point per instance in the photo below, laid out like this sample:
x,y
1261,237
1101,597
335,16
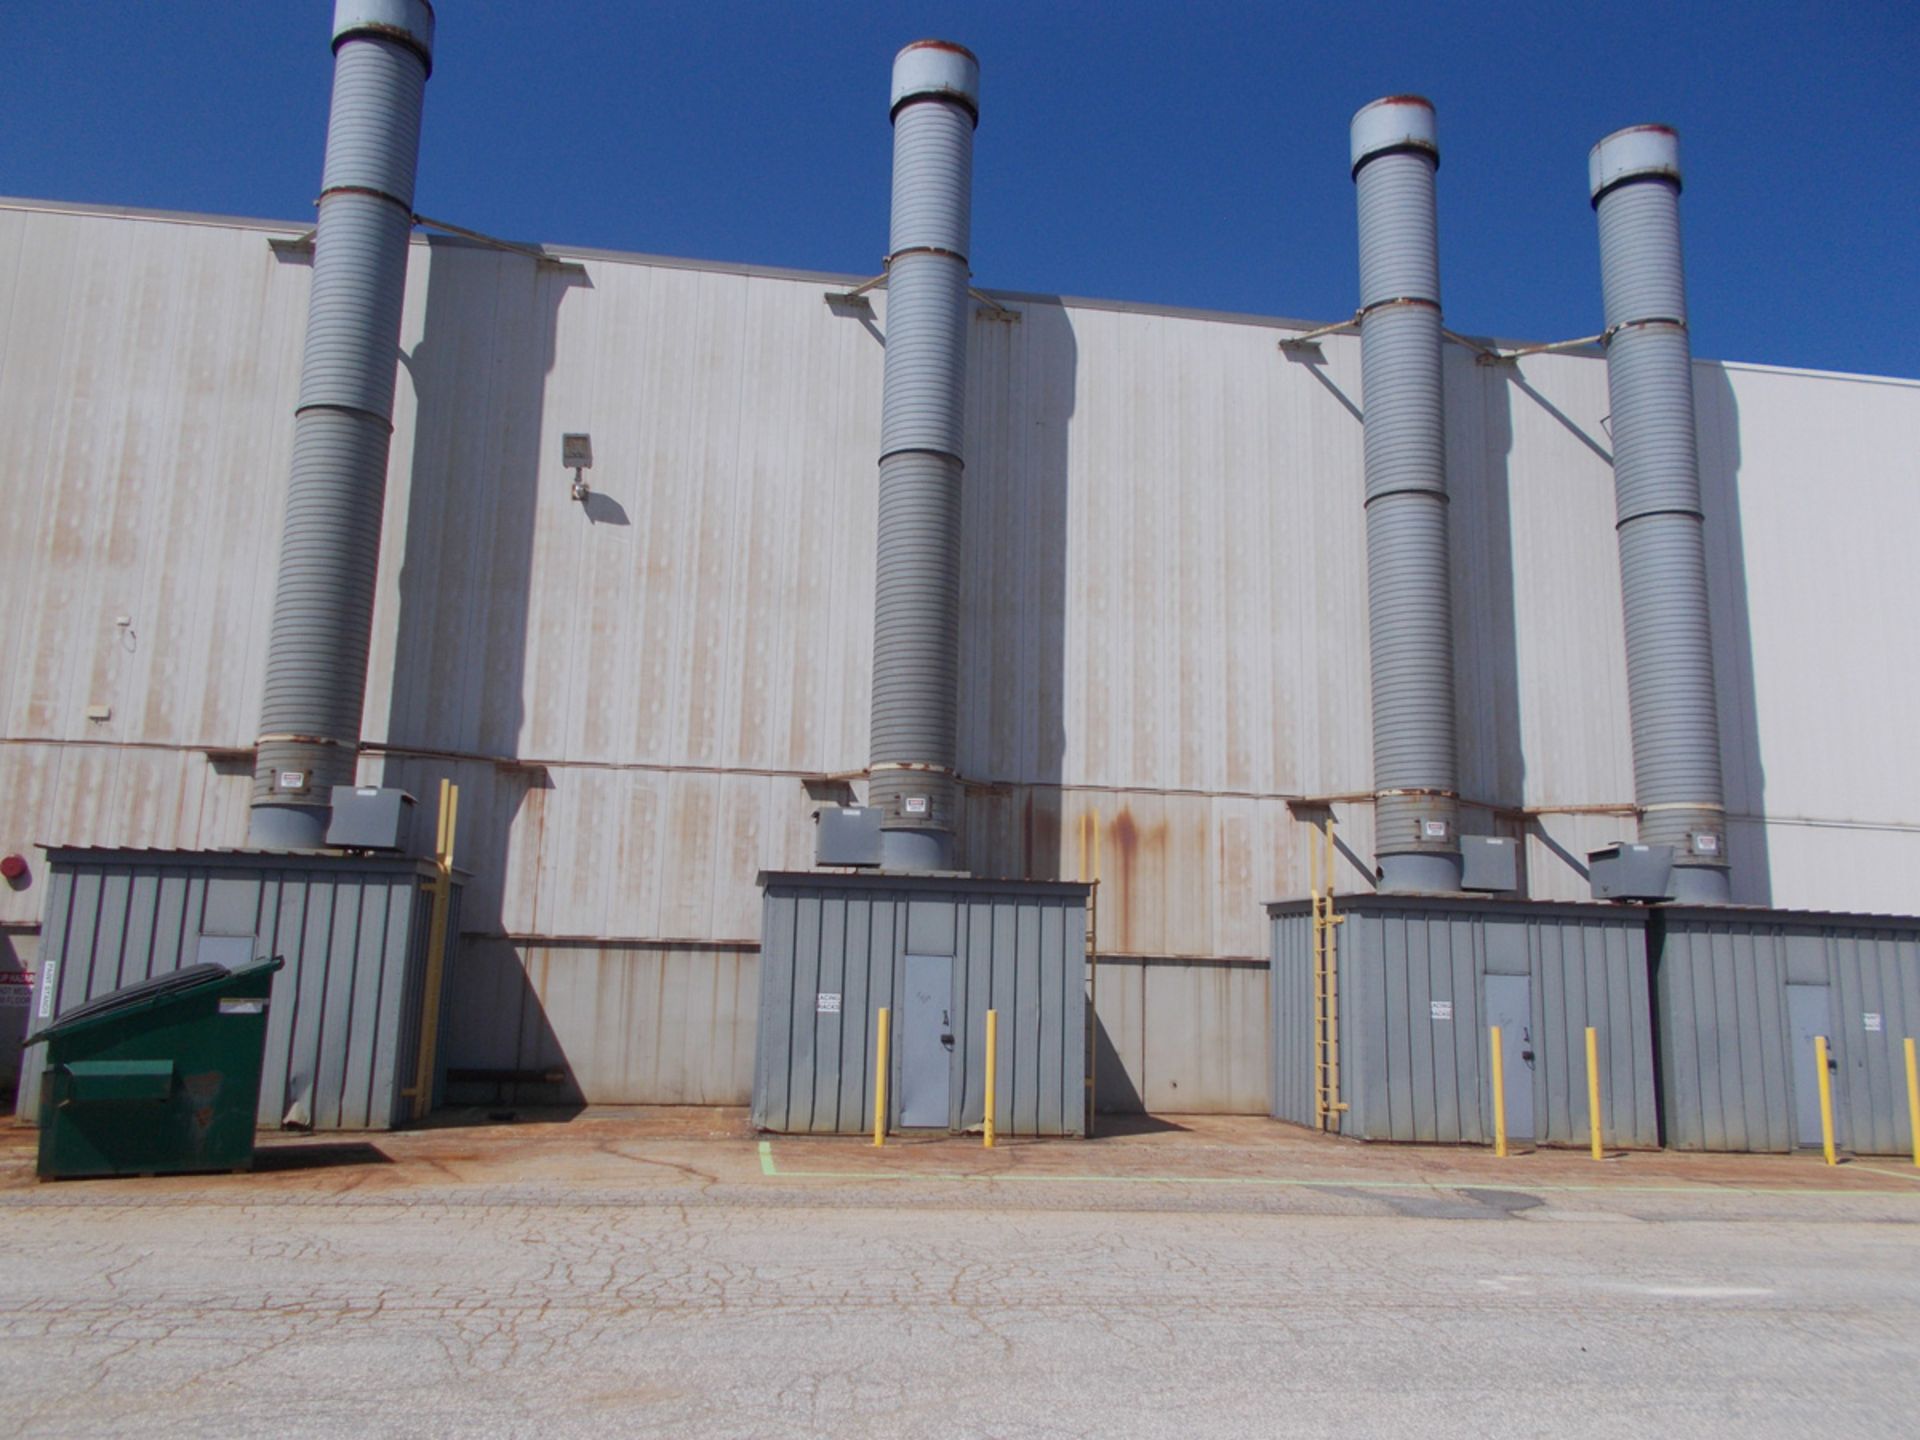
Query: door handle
x,y
946,1030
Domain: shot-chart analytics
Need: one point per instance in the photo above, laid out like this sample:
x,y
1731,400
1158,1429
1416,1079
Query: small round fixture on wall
x,y
13,868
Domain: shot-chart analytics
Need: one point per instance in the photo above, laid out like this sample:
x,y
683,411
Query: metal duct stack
x,y
936,89
330,545
1634,178
1395,155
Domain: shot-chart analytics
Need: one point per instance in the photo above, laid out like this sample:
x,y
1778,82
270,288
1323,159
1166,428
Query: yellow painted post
x,y
1499,1097
1593,1090
1826,1098
1093,975
1913,1101
993,1055
880,1079
442,890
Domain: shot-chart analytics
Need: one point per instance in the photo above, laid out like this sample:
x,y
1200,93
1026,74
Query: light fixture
x,y
576,453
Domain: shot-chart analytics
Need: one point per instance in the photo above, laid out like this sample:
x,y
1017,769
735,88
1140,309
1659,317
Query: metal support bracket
x,y
993,309
1308,341
1487,355
856,298
533,253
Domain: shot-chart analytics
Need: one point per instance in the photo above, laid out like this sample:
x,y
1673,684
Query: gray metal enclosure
x,y
1421,978
938,952
1740,993
343,1025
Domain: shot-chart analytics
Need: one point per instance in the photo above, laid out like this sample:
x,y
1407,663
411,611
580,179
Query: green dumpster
x,y
161,1077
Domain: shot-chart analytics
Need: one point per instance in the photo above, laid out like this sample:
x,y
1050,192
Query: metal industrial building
x,y
646,693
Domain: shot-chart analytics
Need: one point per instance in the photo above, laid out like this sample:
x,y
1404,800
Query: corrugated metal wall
x,y
1730,1076
344,1023
1019,949
1293,1096
1413,1025
629,691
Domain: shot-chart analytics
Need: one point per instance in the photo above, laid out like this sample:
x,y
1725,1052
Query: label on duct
x,y
1873,1022
827,1004
49,973
1442,1009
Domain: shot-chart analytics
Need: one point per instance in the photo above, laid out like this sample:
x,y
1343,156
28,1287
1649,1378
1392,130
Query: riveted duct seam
x,y
917,586
1634,179
330,541
1409,606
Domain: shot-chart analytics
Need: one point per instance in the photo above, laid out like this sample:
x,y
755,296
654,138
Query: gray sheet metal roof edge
x,y
557,251
1791,919
1362,903
230,859
899,880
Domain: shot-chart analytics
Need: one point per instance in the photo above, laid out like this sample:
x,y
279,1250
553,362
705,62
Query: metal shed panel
x,y
1730,1078
343,1027
1413,1042
1291,1045
833,951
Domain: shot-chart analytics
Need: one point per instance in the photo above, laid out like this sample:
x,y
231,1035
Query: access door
x,y
926,1043
1510,1006
1807,1016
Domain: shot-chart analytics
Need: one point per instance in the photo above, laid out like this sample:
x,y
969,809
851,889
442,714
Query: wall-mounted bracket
x,y
855,300
1306,345
992,309
1487,355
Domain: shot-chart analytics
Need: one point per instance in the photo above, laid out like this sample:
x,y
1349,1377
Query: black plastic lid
x,y
141,990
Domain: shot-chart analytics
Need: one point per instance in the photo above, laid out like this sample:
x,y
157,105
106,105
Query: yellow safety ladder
x,y
1327,1104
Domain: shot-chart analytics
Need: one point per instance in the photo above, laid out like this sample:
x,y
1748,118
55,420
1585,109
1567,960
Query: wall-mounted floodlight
x,y
576,453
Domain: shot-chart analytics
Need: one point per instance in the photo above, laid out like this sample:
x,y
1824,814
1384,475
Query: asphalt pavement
x,y
669,1273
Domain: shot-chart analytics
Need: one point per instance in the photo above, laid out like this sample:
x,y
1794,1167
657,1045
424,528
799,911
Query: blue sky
x,y
1170,154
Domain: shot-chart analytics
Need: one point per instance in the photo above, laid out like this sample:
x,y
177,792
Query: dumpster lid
x,y
147,992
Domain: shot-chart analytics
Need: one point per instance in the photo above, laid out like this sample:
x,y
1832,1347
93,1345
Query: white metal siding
x,y
1164,590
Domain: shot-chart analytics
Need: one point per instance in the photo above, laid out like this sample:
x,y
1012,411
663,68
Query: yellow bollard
x,y
1913,1101
1826,1098
993,1051
1499,1097
1593,1090
880,1082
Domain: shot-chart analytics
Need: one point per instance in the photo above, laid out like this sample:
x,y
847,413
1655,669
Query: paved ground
x,y
665,1273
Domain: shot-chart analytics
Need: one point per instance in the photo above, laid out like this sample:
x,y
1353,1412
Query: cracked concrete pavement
x,y
662,1273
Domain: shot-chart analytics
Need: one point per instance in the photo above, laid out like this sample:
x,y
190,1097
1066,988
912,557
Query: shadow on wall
x,y
1491,758
1022,378
479,374
1022,375
1717,421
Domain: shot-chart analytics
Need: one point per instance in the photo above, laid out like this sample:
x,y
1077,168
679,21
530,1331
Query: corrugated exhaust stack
x,y
875,988
936,89
1395,155
1634,177
330,545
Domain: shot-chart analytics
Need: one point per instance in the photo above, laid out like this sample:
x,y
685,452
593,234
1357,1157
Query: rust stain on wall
x,y
1133,842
